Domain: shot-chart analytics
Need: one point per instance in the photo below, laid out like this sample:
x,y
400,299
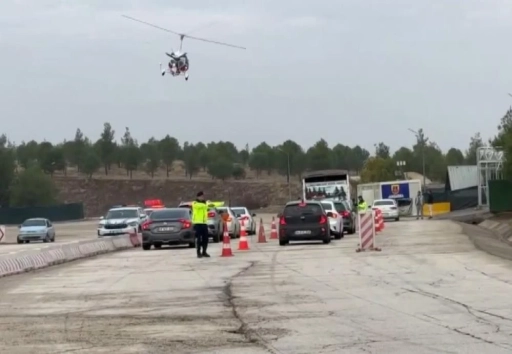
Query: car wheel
x,y
47,238
338,236
327,241
19,241
352,230
216,238
283,242
397,219
193,245
146,246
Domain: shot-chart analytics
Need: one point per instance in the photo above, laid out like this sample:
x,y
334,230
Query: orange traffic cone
x,y
243,245
273,230
226,244
376,220
261,233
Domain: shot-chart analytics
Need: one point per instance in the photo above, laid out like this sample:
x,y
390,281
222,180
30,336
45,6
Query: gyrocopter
x,y
179,63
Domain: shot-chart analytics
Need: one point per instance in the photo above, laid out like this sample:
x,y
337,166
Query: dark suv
x,y
304,221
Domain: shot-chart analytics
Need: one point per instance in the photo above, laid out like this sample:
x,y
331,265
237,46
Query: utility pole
x,y
287,172
422,156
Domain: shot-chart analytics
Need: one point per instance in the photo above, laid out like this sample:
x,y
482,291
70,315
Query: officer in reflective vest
x,y
199,219
362,206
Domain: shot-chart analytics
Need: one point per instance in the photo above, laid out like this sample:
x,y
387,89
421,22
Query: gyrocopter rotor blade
x,y
183,35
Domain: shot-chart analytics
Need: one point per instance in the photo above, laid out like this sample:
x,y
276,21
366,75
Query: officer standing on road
x,y
199,219
419,206
362,206
430,202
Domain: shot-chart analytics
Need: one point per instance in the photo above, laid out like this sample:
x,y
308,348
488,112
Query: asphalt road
x,y
64,232
428,291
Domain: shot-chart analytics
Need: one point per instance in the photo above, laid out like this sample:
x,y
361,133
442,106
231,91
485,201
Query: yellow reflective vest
x,y
362,207
199,212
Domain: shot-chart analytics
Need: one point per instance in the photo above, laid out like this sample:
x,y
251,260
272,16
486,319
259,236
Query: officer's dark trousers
x,y
201,237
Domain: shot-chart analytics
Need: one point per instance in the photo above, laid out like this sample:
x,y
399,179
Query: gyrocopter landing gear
x,y
163,71
186,76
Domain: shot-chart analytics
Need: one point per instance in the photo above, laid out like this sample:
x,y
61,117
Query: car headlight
x,y
133,223
100,226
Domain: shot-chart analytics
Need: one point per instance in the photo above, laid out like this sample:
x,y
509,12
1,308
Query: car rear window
x,y
302,209
239,211
169,214
340,206
384,202
327,206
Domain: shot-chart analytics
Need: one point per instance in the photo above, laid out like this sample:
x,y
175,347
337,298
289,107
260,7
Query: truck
x,y
327,185
403,192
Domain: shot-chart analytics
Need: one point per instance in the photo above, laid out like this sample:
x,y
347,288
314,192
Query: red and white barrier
x,y
366,223
67,252
3,236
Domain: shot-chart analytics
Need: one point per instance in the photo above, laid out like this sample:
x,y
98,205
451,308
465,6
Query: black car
x,y
349,216
304,221
170,226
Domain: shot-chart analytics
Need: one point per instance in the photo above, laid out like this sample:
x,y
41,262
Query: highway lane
x,y
64,232
428,291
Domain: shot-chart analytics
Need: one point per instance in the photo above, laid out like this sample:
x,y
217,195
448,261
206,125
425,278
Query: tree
x,y
454,157
169,151
265,158
79,147
27,153
151,156
357,158
503,141
7,173
33,187
475,143
238,172
91,162
377,169
382,151
131,155
319,156
220,168
107,146
190,159
404,154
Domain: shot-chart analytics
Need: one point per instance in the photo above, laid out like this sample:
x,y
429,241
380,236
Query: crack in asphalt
x,y
250,335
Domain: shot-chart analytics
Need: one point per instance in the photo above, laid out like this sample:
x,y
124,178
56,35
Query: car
x,y
214,221
349,216
232,223
36,229
120,221
168,226
336,220
242,213
388,207
304,221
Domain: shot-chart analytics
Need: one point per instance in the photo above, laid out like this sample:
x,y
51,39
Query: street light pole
x,y
422,155
287,173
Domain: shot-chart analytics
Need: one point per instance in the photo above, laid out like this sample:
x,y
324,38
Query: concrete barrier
x,y
62,253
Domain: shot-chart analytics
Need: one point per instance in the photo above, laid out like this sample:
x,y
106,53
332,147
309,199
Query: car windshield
x,y
170,214
239,211
384,203
302,209
122,214
34,222
327,206
340,206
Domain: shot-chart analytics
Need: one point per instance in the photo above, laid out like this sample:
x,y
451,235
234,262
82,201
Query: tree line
x,y
222,160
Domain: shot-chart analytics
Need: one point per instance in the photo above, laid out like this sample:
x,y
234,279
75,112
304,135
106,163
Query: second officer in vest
x,y
200,221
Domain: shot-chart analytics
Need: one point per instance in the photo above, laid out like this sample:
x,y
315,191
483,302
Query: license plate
x,y
163,229
303,232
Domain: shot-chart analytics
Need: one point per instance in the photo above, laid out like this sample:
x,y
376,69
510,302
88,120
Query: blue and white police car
x,y
121,220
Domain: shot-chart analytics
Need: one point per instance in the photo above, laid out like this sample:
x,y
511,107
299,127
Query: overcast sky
x,y
348,71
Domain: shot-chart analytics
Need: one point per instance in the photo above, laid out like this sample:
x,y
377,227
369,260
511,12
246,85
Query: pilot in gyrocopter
x,y
178,64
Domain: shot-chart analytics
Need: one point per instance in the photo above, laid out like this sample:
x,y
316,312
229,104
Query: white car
x,y
244,214
232,222
119,221
388,207
336,221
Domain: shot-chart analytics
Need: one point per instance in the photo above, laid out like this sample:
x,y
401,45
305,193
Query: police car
x,y
121,220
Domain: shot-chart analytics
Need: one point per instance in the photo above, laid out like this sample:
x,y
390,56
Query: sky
x,y
348,71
